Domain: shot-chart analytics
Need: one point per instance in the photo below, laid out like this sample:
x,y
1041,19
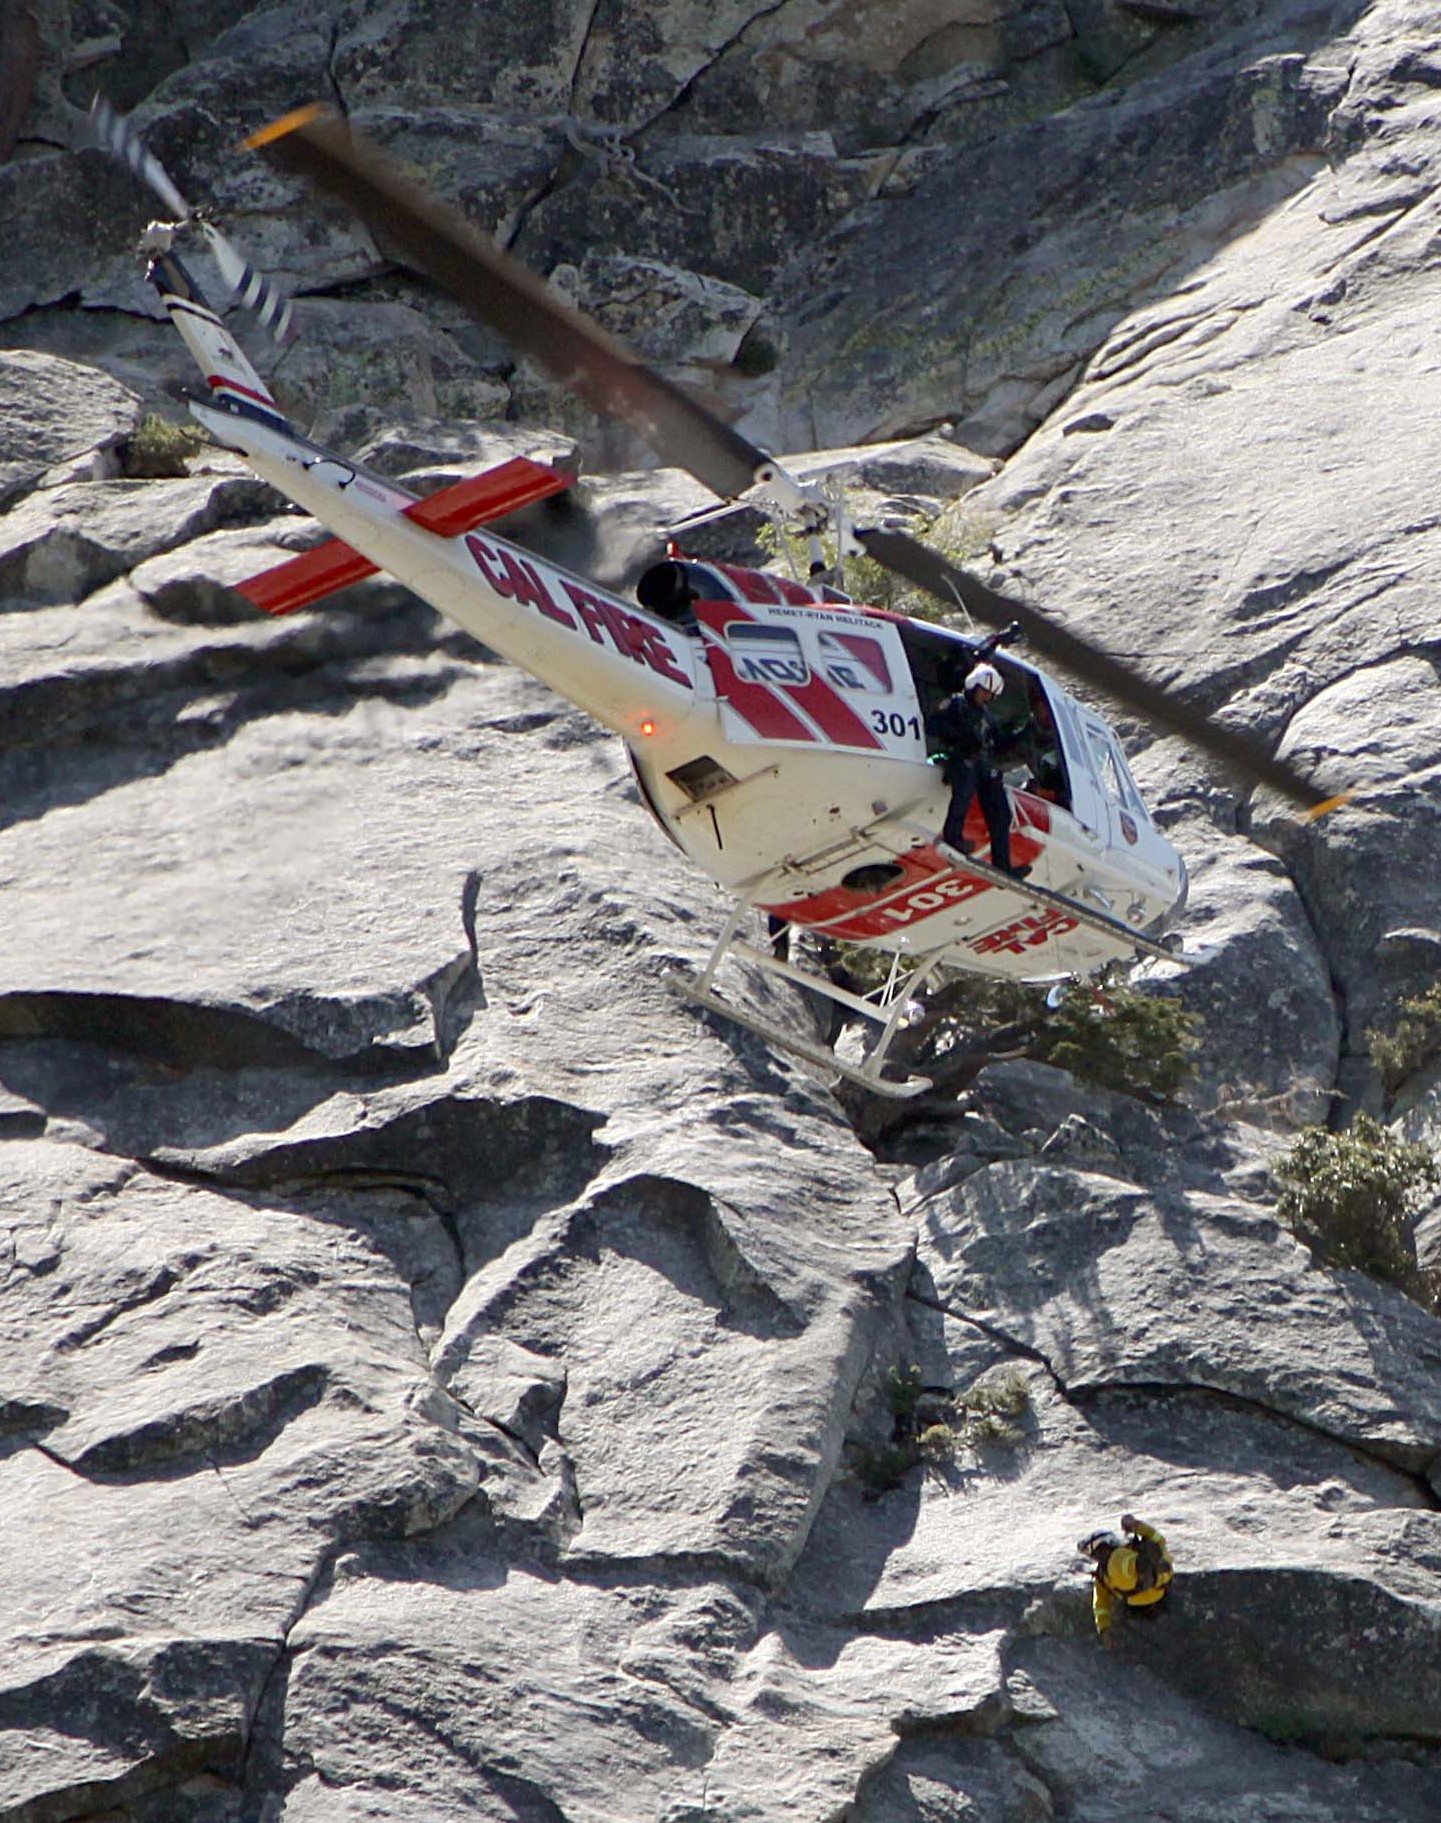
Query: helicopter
x,y
778,732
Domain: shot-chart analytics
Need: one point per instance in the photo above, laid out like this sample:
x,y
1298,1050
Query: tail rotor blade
x,y
927,569
251,288
114,132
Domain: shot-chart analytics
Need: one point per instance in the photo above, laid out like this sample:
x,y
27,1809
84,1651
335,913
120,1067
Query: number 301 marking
x,y
893,722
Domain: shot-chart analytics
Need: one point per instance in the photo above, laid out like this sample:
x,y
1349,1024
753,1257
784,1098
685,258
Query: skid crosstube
x,y
692,987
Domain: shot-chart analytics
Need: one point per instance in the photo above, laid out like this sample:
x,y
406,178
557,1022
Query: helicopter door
x,y
1088,804
811,675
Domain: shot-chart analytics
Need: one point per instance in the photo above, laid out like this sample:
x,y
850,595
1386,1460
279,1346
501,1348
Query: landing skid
x,y
890,1006
888,1009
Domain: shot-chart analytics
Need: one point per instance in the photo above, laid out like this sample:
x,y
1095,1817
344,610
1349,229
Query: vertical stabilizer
x,y
233,382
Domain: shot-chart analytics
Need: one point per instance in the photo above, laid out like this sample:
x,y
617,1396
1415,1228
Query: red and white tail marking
x,y
228,374
475,501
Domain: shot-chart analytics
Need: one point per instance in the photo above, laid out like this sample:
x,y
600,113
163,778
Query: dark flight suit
x,y
969,737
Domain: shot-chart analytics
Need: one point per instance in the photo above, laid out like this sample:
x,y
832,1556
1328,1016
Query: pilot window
x,y
1036,741
1112,769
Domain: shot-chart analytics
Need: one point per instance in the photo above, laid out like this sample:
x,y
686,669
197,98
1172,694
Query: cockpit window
x,y
708,584
856,661
1036,739
1129,785
1114,774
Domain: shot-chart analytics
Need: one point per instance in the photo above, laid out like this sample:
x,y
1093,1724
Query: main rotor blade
x,y
928,570
316,144
498,292
115,133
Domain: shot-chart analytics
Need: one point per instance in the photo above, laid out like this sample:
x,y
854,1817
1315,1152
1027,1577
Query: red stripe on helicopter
x,y
836,719
928,885
334,565
1031,812
762,586
218,383
754,703
764,705
868,653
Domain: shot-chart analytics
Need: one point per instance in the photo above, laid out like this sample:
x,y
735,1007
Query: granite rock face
x,y
441,1376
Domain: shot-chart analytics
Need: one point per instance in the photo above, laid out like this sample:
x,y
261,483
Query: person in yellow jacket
x,y
1135,1569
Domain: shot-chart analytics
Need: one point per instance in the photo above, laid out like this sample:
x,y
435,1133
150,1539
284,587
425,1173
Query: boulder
x,y
55,413
1099,1280
65,542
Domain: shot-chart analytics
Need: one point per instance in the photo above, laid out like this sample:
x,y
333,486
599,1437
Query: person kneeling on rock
x,y
1135,1569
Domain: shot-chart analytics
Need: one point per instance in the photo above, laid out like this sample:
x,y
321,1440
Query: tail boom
x,y
629,669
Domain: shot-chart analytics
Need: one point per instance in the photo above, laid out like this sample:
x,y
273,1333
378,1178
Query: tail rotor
x,y
116,134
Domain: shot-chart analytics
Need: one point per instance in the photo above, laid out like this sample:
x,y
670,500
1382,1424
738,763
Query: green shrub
x,y
986,1409
1351,1197
1415,1042
1121,1039
882,1469
928,1425
919,1433
1102,1031
936,1444
160,449
903,1393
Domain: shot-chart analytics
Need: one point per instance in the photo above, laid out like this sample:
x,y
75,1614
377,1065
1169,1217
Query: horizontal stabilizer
x,y
307,578
455,509
517,483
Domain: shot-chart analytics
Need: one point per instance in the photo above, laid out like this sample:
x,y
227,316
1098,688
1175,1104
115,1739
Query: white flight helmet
x,y
985,677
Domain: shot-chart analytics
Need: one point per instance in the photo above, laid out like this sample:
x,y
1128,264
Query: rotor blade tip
x,y
287,123
1327,805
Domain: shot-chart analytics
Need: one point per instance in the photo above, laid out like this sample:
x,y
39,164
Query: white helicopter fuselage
x,y
778,733
778,737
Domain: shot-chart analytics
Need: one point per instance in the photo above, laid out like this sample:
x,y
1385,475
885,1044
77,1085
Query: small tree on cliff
x,y
1102,1032
1353,1196
1414,1041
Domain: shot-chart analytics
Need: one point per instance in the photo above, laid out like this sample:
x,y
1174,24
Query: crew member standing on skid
x,y
965,730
